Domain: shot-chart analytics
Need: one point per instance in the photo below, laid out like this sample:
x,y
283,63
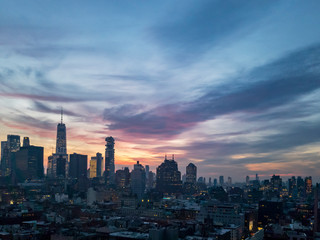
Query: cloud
x,y
202,26
281,82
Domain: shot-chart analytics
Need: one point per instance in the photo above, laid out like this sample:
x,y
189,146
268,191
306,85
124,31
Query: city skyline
x,y
231,87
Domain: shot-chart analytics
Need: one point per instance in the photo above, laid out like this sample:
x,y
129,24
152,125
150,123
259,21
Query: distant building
x,y
308,185
221,180
96,165
29,163
191,173
109,161
229,181
26,142
122,177
58,162
11,146
138,180
78,165
168,177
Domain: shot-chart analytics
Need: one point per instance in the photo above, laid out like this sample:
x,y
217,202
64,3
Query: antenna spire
x,y
61,115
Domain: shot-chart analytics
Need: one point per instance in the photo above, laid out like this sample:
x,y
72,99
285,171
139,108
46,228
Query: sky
x,y
231,86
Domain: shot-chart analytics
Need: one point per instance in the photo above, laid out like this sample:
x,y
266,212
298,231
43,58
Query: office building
x,y
58,162
221,180
191,173
78,166
138,180
168,177
122,178
26,142
96,166
109,161
29,163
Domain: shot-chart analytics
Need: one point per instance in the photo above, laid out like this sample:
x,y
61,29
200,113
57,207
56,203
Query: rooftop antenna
x,y
172,156
61,115
165,157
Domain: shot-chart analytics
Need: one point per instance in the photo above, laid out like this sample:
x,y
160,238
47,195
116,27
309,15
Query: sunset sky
x,y
232,86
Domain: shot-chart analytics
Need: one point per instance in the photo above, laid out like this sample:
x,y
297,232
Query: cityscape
x,y
73,200
151,120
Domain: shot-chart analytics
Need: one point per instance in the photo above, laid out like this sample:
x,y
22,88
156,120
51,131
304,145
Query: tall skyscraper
x,y
191,173
122,178
58,162
29,163
11,146
96,165
26,142
221,180
4,158
138,180
78,166
61,144
109,161
168,177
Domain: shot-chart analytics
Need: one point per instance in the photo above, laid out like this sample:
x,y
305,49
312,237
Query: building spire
x,y
61,115
172,156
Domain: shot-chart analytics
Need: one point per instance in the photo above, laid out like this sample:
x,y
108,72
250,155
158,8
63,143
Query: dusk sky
x,y
232,86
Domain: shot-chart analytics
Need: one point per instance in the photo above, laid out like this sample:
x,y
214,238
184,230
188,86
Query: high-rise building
x,y
229,181
96,165
109,161
147,171
60,165
168,177
138,180
308,185
221,180
29,163
78,166
4,158
191,173
8,150
61,144
215,182
122,178
58,162
247,180
26,142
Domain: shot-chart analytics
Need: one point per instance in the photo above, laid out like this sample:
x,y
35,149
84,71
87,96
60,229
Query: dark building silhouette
x,y
138,180
61,144
191,173
29,163
8,150
122,177
168,177
61,162
221,180
109,161
26,142
270,211
57,163
78,165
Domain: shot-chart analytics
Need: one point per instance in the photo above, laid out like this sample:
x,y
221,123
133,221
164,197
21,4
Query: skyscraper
x,y
168,177
221,180
78,166
26,142
138,180
58,162
29,163
109,161
8,148
191,173
61,144
96,165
